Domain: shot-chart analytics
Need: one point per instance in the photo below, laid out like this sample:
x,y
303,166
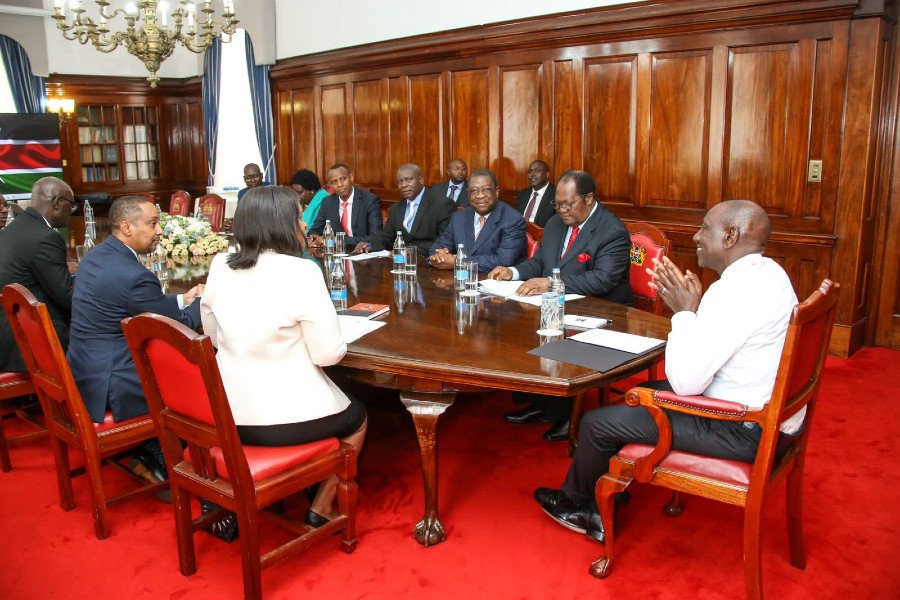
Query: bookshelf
x,y
118,143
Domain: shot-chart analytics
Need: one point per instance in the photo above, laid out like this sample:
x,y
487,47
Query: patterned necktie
x,y
452,192
480,226
571,239
531,205
345,217
410,214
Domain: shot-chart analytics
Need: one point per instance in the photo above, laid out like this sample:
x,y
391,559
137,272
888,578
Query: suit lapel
x,y
583,240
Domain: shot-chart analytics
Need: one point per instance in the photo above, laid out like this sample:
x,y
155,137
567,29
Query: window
x,y
236,145
7,104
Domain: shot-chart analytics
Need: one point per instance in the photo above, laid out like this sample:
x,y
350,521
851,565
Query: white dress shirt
x,y
275,328
731,347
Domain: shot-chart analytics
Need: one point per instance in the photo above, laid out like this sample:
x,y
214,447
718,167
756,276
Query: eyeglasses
x,y
475,192
567,206
74,206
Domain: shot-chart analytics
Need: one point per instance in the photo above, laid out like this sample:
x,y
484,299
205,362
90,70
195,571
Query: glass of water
x,y
471,283
411,257
340,240
549,314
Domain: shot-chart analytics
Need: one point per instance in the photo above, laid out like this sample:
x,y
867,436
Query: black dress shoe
x,y
559,432
314,519
150,465
556,499
531,414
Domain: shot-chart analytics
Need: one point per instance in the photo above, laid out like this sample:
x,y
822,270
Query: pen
x,y
366,245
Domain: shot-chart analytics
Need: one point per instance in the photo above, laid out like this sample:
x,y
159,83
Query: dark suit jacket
x,y
501,242
366,217
545,209
462,196
605,248
34,255
112,285
432,218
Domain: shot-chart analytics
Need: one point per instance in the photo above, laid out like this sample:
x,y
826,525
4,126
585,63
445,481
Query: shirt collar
x,y
593,210
415,201
541,191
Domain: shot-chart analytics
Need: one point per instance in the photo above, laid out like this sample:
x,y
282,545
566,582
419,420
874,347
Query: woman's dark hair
x,y
266,219
306,178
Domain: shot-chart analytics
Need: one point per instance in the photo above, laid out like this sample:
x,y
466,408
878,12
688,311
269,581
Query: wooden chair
x,y
67,419
738,483
647,243
212,207
533,236
14,386
184,389
180,204
149,196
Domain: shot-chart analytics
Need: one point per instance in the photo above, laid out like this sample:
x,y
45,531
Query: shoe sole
x,y
564,523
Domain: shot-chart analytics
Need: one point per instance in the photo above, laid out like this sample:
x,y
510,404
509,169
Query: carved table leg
x,y
425,409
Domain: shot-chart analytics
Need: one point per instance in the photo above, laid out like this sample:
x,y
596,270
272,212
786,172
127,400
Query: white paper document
x,y
368,255
635,344
507,289
353,328
584,322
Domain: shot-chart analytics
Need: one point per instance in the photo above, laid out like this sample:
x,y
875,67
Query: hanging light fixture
x,y
147,35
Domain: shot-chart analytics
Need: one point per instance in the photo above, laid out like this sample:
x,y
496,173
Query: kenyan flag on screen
x,y
29,150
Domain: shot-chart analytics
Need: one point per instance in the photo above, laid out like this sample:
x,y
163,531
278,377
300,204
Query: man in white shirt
x,y
727,345
536,201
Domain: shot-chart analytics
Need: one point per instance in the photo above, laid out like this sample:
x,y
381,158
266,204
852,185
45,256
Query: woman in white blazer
x,y
270,315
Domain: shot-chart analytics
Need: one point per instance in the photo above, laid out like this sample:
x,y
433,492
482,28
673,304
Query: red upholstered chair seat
x,y
718,469
265,461
532,245
13,377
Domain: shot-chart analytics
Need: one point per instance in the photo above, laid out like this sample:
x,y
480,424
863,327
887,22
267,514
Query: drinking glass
x,y
471,283
411,258
340,240
549,314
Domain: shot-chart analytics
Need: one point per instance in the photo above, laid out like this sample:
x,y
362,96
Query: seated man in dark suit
x,y
421,216
536,201
492,232
456,188
354,211
253,177
111,285
33,254
592,248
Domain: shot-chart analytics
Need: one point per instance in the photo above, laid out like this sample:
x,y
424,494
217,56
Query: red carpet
x,y
500,545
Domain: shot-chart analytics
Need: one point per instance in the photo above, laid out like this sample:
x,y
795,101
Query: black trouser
x,y
606,430
555,407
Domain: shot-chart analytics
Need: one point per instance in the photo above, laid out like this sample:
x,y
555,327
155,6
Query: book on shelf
x,y
366,310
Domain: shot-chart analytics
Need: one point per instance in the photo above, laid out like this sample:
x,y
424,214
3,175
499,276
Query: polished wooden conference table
x,y
437,343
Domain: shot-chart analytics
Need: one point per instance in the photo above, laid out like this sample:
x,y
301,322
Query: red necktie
x,y
571,239
480,226
345,219
530,208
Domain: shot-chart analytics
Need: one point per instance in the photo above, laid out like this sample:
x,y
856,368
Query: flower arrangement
x,y
189,236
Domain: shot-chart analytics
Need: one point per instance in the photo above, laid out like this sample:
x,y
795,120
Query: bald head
x,y
750,220
730,231
54,199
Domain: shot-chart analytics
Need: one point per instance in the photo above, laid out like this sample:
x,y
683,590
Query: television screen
x,y
29,150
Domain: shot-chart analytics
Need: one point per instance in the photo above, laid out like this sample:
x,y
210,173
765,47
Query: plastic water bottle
x,y
328,238
90,229
461,274
160,264
399,254
557,285
338,286
158,209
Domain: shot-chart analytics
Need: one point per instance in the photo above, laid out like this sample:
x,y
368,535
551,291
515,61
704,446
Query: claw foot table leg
x,y
425,409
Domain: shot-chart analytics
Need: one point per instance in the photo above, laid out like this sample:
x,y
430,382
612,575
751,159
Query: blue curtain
x,y
261,98
212,80
29,92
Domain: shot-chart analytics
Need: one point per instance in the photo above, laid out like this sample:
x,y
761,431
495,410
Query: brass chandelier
x,y
147,35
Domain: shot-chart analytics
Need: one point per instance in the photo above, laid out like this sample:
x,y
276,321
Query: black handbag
x,y
225,528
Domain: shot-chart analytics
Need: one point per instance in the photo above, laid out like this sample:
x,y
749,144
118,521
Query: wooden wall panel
x,y
672,108
520,134
758,157
425,110
609,126
303,124
368,145
398,125
677,158
336,143
469,116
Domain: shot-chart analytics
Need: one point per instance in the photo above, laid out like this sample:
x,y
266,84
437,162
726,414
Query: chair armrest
x,y
657,402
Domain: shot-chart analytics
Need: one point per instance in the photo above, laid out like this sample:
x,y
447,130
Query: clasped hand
x,y
679,291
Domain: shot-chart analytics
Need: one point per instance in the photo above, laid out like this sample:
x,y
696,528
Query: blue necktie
x,y
410,214
452,194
